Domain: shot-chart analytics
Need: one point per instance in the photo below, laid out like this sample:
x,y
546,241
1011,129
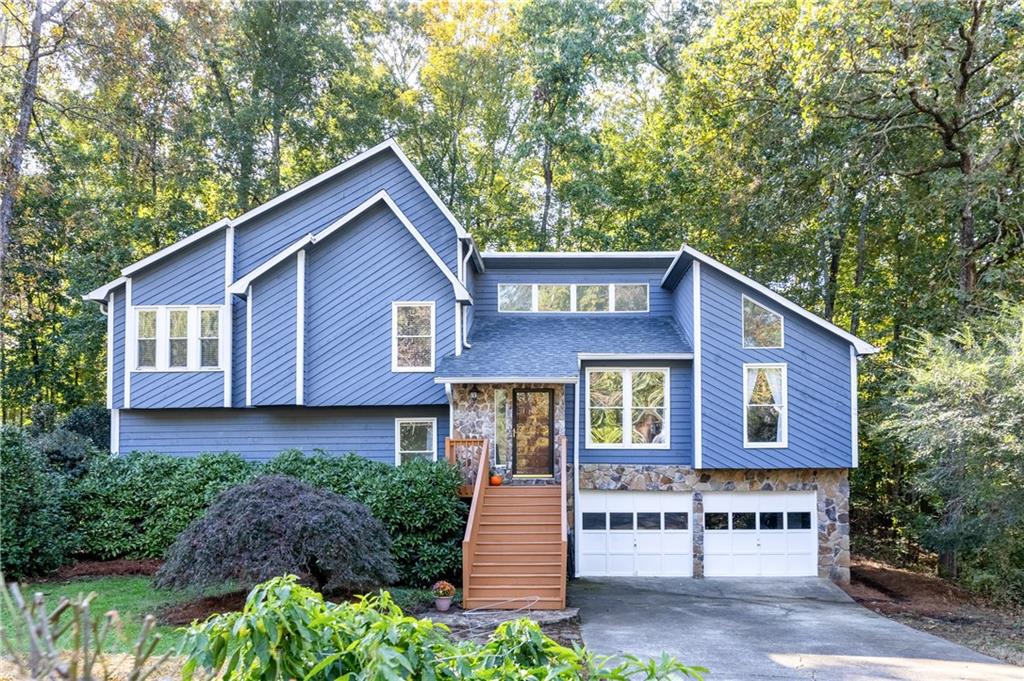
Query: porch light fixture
x,y
474,393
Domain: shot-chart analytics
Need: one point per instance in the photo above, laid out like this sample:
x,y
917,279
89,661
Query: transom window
x,y
585,298
177,338
415,439
762,328
764,413
627,408
412,336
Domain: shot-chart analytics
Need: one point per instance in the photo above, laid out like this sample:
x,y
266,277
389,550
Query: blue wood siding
x,y
471,284
238,359
682,304
261,433
680,451
273,335
192,276
818,367
486,295
118,310
260,238
351,280
158,389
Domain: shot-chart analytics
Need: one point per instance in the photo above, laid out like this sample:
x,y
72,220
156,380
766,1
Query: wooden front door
x,y
533,441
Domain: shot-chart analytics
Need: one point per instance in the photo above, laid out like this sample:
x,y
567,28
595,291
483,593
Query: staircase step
x,y
520,581
514,591
504,521
539,564
523,492
516,604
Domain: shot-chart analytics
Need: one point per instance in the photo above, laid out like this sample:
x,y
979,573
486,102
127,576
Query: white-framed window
x,y
762,328
628,408
765,422
583,298
412,336
178,338
415,438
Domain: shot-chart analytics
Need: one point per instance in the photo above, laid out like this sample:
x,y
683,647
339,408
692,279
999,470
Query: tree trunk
x,y
275,154
16,152
548,181
968,266
834,244
858,273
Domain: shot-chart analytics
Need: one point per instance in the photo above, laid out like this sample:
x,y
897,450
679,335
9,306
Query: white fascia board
x,y
506,379
176,246
862,347
240,287
513,255
474,250
630,356
100,294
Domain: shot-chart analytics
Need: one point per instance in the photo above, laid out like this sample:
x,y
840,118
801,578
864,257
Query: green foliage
x,y
66,452
34,538
287,631
277,524
91,421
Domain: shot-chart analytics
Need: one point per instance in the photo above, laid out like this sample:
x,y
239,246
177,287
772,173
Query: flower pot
x,y
496,480
442,603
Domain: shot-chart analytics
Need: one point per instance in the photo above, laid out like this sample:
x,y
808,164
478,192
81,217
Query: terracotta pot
x,y
442,603
496,480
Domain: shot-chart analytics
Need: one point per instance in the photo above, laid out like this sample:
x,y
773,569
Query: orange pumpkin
x,y
496,480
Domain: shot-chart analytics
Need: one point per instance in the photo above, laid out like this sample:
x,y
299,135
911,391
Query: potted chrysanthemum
x,y
443,592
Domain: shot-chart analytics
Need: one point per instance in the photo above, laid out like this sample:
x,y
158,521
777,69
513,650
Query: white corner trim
x,y
300,327
111,311
248,347
627,408
227,322
743,325
100,294
854,418
783,442
176,246
577,511
423,419
698,397
395,368
458,329
242,285
115,431
130,344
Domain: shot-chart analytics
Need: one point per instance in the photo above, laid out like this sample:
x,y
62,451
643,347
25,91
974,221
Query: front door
x,y
533,442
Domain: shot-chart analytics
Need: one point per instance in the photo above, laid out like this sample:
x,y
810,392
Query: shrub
x,y
42,418
33,536
286,631
93,422
66,452
278,524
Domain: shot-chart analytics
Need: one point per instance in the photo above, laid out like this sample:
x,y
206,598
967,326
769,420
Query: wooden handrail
x,y
563,443
479,489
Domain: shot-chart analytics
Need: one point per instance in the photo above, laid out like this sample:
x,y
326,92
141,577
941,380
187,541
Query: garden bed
x,y
934,605
108,568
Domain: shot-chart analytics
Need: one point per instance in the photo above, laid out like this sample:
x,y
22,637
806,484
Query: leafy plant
x,y
443,589
91,421
276,525
66,452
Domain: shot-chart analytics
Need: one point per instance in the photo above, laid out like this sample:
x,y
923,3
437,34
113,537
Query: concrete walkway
x,y
755,629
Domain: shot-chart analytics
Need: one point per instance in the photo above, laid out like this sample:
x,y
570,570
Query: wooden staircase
x,y
514,551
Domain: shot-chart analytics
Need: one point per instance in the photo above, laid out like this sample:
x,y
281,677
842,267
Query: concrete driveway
x,y
753,629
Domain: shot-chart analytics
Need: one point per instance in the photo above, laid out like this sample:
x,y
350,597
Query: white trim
x,y
111,311
854,420
698,396
577,511
100,294
129,342
163,338
863,347
115,431
502,255
239,287
248,346
630,356
433,432
394,335
505,379
300,326
459,265
451,409
227,353
743,326
573,304
458,328
627,409
176,246
783,441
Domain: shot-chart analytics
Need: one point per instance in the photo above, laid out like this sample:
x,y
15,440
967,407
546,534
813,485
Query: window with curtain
x,y
209,338
177,339
145,331
627,408
412,340
414,439
764,419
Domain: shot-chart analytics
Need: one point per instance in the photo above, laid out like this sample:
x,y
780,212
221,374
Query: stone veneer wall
x,y
832,487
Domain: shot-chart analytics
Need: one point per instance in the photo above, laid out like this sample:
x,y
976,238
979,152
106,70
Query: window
x,y
648,521
716,521
501,430
771,520
415,439
179,338
620,521
594,521
764,413
412,336
637,397
762,328
145,328
586,298
677,521
798,520
744,521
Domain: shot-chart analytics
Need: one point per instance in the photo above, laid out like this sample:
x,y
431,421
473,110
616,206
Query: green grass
x,y
132,597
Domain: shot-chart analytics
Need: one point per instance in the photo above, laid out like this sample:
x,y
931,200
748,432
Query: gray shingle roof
x,y
534,347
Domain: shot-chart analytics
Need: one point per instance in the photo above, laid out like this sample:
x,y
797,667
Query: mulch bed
x,y
108,568
183,614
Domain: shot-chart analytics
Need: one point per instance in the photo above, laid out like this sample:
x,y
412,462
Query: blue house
x,y
651,413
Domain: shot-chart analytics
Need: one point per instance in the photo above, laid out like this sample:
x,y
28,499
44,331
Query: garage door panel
x,y
593,542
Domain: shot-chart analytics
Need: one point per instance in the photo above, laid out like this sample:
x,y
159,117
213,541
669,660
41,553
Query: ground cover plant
x,y
275,525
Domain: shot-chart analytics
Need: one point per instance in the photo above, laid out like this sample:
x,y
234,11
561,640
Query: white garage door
x,y
760,534
636,533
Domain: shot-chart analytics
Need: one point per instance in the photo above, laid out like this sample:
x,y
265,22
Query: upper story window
x,y
762,328
627,408
412,336
585,298
415,439
764,412
177,338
